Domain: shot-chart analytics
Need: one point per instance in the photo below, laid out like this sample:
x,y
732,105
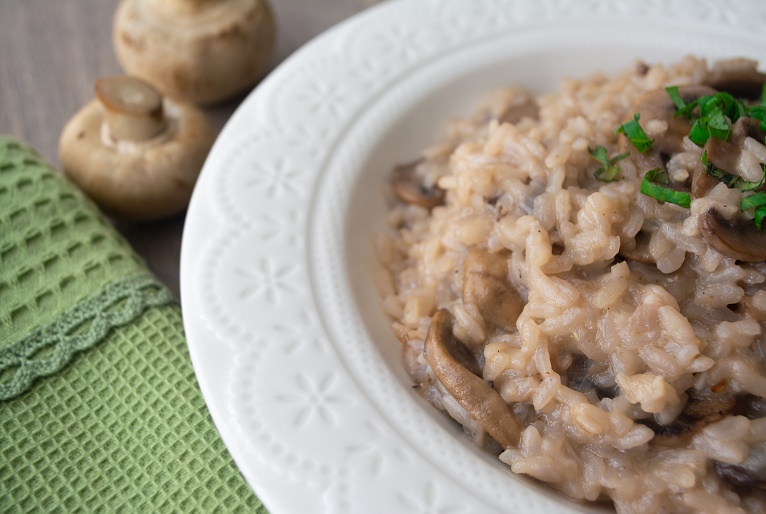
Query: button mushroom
x,y
136,154
736,239
485,284
454,366
409,189
202,51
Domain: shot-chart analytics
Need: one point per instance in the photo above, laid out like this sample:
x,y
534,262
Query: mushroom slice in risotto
x,y
750,473
409,189
738,76
459,373
485,284
657,105
739,240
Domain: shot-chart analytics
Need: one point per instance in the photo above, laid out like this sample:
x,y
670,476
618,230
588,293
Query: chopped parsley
x,y
716,114
758,112
636,134
653,185
682,108
609,172
757,202
731,181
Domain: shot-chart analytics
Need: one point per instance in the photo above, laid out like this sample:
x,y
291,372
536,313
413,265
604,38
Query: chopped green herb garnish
x,y
676,97
699,134
609,172
652,186
723,101
718,126
636,134
755,201
712,116
714,124
760,213
758,112
716,114
682,108
731,181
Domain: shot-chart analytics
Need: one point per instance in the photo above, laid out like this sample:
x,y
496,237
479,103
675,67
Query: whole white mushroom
x,y
202,51
134,153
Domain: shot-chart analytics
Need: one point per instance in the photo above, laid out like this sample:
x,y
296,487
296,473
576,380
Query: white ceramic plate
x,y
299,368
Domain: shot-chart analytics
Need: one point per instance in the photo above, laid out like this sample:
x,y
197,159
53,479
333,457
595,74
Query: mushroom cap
x,y
202,55
143,180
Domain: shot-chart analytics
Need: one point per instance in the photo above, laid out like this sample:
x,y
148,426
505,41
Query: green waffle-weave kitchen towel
x,y
99,406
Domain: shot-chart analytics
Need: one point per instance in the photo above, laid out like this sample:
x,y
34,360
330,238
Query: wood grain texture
x,y
52,51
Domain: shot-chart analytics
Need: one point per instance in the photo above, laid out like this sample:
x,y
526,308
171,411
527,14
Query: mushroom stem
x,y
132,108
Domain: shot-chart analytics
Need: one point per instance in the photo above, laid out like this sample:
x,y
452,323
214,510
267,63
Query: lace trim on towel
x,y
49,349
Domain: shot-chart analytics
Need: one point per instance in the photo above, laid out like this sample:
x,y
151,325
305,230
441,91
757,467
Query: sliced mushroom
x,y
639,252
739,77
702,409
409,190
485,284
586,375
750,473
746,127
752,406
134,153
458,374
657,105
739,239
722,155
702,183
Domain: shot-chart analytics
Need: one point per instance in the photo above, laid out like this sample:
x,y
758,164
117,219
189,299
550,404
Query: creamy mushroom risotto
x,y
578,279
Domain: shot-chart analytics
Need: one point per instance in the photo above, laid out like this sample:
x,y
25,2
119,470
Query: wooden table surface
x,y
51,52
